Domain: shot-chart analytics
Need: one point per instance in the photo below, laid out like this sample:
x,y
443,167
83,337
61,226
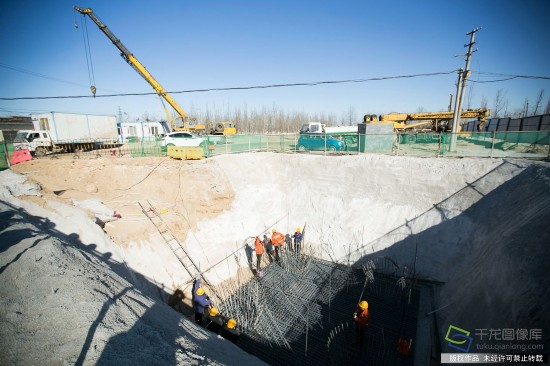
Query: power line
x,y
28,72
313,83
32,73
506,77
7,111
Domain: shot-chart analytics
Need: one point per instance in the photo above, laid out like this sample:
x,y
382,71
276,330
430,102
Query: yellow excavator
x,y
184,123
435,121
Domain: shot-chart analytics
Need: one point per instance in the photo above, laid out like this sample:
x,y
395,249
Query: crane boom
x,y
140,69
400,120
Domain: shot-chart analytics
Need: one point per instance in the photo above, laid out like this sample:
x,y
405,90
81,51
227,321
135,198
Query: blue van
x,y
316,141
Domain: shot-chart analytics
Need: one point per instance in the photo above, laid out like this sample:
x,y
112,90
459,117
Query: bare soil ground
x,y
189,191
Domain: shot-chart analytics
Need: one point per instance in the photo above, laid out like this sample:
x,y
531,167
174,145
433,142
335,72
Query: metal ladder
x,y
175,246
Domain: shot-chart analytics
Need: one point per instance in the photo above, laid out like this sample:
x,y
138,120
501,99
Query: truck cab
x,y
34,141
318,127
312,127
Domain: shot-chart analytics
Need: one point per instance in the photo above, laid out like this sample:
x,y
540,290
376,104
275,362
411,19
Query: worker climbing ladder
x,y
175,246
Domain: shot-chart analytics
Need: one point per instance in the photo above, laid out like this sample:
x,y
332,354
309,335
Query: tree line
x,y
501,106
276,120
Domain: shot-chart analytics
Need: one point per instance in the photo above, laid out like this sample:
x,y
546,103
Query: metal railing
x,y
495,144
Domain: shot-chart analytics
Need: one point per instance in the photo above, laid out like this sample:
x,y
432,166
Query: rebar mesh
x,y
300,311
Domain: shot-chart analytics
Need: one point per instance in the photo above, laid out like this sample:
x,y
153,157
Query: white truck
x,y
318,127
67,132
348,135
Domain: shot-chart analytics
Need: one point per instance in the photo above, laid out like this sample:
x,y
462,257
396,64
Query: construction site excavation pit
x,y
429,243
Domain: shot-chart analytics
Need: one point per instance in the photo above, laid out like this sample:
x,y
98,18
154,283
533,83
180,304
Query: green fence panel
x,y
5,147
229,144
420,144
505,144
255,142
246,143
521,144
375,143
288,142
273,143
144,149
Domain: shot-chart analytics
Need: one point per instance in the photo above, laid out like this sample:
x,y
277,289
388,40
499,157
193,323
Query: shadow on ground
x,y
112,314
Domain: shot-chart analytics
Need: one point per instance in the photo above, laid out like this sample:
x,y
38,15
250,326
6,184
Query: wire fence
x,y
495,144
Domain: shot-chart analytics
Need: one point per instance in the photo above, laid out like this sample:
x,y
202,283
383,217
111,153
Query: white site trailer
x,y
84,127
142,131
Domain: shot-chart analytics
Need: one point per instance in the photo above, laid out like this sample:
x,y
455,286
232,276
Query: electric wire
x,y
28,72
506,77
269,86
135,184
32,73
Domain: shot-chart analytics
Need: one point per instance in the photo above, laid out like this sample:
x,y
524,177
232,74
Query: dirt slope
x,y
62,302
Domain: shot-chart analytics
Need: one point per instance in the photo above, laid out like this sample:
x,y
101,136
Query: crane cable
x,y
88,52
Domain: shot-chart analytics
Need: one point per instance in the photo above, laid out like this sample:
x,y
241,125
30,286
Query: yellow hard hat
x,y
213,311
364,305
200,291
298,230
273,230
231,323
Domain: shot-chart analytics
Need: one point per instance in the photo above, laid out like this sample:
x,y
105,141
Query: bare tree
x,y
538,102
146,117
350,117
500,103
525,107
470,95
484,102
516,113
506,113
547,109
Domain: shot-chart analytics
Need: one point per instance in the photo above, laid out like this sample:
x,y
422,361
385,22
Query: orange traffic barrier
x,y
20,156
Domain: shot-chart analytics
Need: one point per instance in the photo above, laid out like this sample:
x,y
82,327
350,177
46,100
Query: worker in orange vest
x,y
361,319
277,239
259,246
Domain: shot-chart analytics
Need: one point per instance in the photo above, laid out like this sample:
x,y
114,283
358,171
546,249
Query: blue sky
x,y
190,45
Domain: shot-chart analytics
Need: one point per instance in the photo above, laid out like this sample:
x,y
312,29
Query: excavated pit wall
x,y
487,244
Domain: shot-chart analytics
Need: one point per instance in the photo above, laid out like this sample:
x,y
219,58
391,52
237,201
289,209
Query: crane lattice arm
x,y
400,120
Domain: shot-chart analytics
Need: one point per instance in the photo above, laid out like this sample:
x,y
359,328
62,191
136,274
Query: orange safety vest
x,y
277,239
362,317
403,346
259,246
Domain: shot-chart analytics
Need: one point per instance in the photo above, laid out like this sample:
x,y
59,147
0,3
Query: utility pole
x,y
463,75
